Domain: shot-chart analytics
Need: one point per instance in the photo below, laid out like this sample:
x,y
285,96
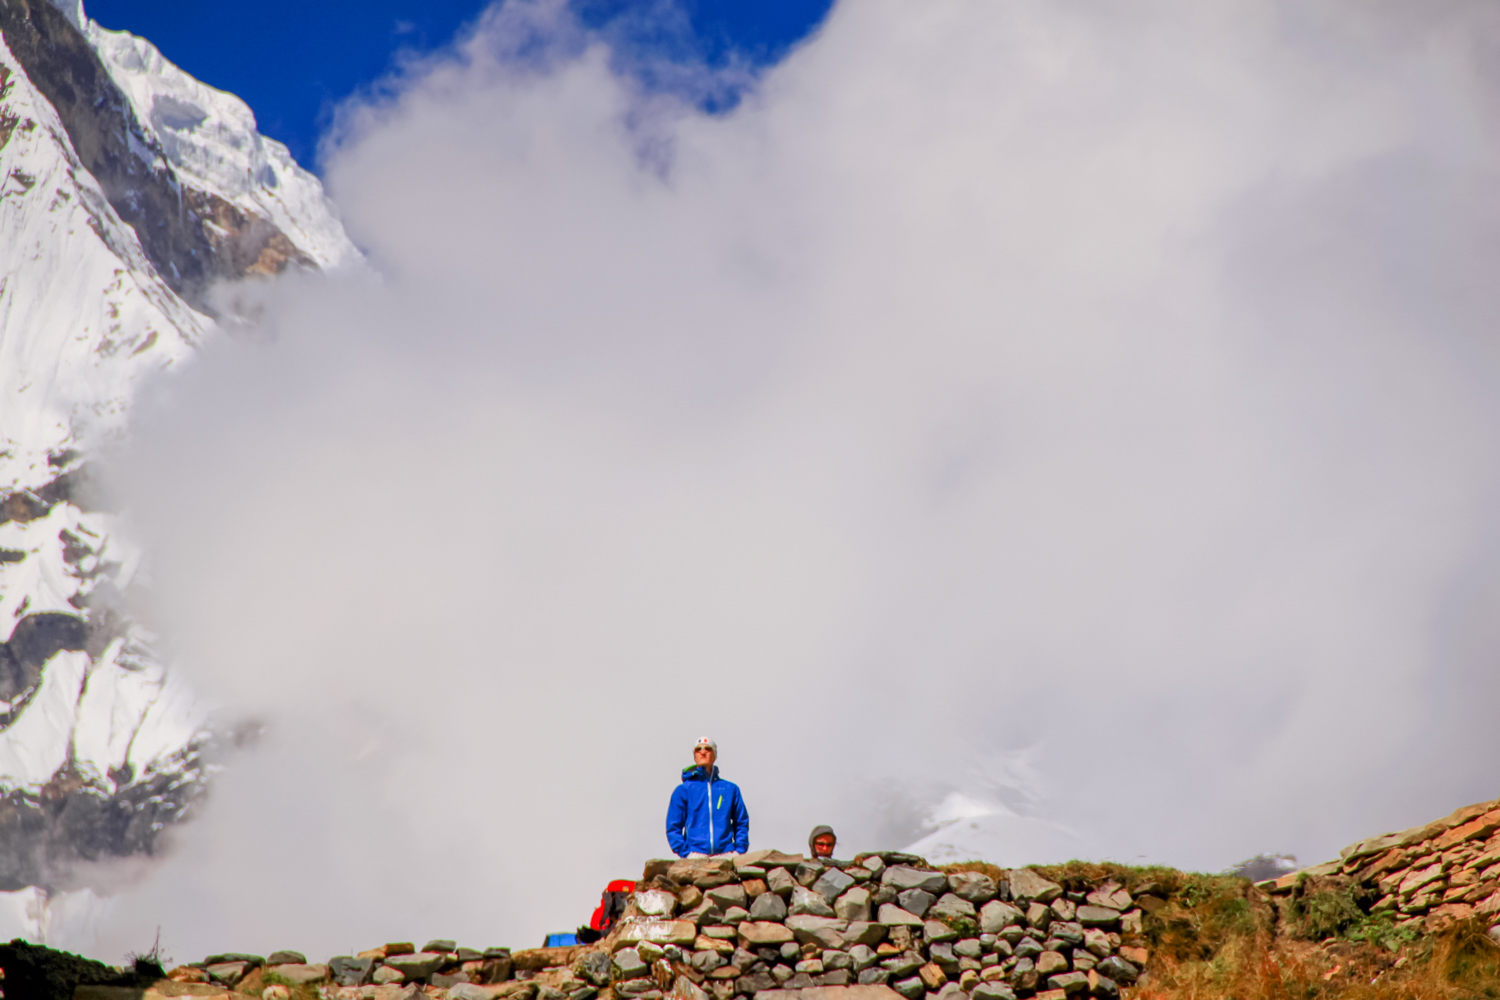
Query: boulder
x,y
763,933
915,901
768,906
934,931
302,974
853,905
1039,915
824,931
1112,895
419,965
637,929
808,872
725,896
780,881
832,883
891,914
1098,916
977,887
993,991
1096,942
705,873
861,957
1118,969
864,932
1027,886
1049,962
869,977
228,973
969,948
996,915
809,902
286,958
1069,982
654,903
1063,909
951,906
628,964
901,877
385,974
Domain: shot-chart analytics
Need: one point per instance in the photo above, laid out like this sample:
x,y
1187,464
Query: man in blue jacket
x,y
707,816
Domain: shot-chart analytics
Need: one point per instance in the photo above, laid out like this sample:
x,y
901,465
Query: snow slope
x,y
89,308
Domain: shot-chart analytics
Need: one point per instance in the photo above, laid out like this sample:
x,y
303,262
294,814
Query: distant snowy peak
x,y
210,138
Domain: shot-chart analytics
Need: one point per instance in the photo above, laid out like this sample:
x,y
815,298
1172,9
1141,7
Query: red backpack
x,y
611,908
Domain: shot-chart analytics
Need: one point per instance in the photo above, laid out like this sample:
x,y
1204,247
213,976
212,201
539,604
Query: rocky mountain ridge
x,y
128,192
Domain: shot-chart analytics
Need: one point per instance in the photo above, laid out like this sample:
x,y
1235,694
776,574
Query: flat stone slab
x,y
158,991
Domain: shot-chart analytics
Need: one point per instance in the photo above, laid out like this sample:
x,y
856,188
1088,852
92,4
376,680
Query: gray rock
x,y
1069,982
910,989
594,967
704,913
1039,916
1494,933
1096,942
831,884
768,906
942,954
302,974
1029,948
1082,960
1051,961
1023,976
440,944
861,957
833,959
650,951
995,916
932,930
633,988
289,958
968,948
725,896
227,973
1118,969
417,966
834,977
1004,948
1107,988
781,972
443,980
950,991
1098,916
951,906
993,991
1063,909
469,955
916,901
629,964
977,887
468,991
893,915
799,981
881,895
780,881
756,981
903,964
548,993
809,902
350,971
1027,886
864,932
1068,932
873,864
874,977
1012,934
825,932
791,952
901,877
808,872
852,905
230,957
735,914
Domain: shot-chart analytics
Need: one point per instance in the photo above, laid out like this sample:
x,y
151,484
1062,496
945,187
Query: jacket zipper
x,y
711,846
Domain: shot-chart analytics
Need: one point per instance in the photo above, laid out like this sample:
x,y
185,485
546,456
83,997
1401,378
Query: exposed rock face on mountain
x,y
127,190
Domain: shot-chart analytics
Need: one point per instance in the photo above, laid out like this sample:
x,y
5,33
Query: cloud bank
x,y
1074,422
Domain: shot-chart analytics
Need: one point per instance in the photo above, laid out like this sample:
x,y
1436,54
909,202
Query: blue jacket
x,y
707,815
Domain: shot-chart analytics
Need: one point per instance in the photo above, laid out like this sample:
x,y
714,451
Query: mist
x,y
1071,421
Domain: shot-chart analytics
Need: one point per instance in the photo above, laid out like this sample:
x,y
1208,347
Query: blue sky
x,y
293,61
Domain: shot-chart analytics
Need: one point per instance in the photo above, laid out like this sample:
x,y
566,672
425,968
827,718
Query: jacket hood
x,y
817,832
695,773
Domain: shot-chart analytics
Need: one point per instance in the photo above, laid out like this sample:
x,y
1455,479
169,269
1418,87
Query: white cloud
x,y
1111,382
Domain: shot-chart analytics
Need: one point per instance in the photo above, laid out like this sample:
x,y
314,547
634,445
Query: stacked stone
x,y
761,926
1430,876
753,927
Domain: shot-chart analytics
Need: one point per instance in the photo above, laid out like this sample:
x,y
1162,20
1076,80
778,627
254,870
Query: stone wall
x,y
1425,878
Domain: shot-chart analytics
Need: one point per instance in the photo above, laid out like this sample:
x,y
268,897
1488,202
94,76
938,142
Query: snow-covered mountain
x,y
128,189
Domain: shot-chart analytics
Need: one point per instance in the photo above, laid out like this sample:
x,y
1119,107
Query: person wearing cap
x,y
707,815
821,842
